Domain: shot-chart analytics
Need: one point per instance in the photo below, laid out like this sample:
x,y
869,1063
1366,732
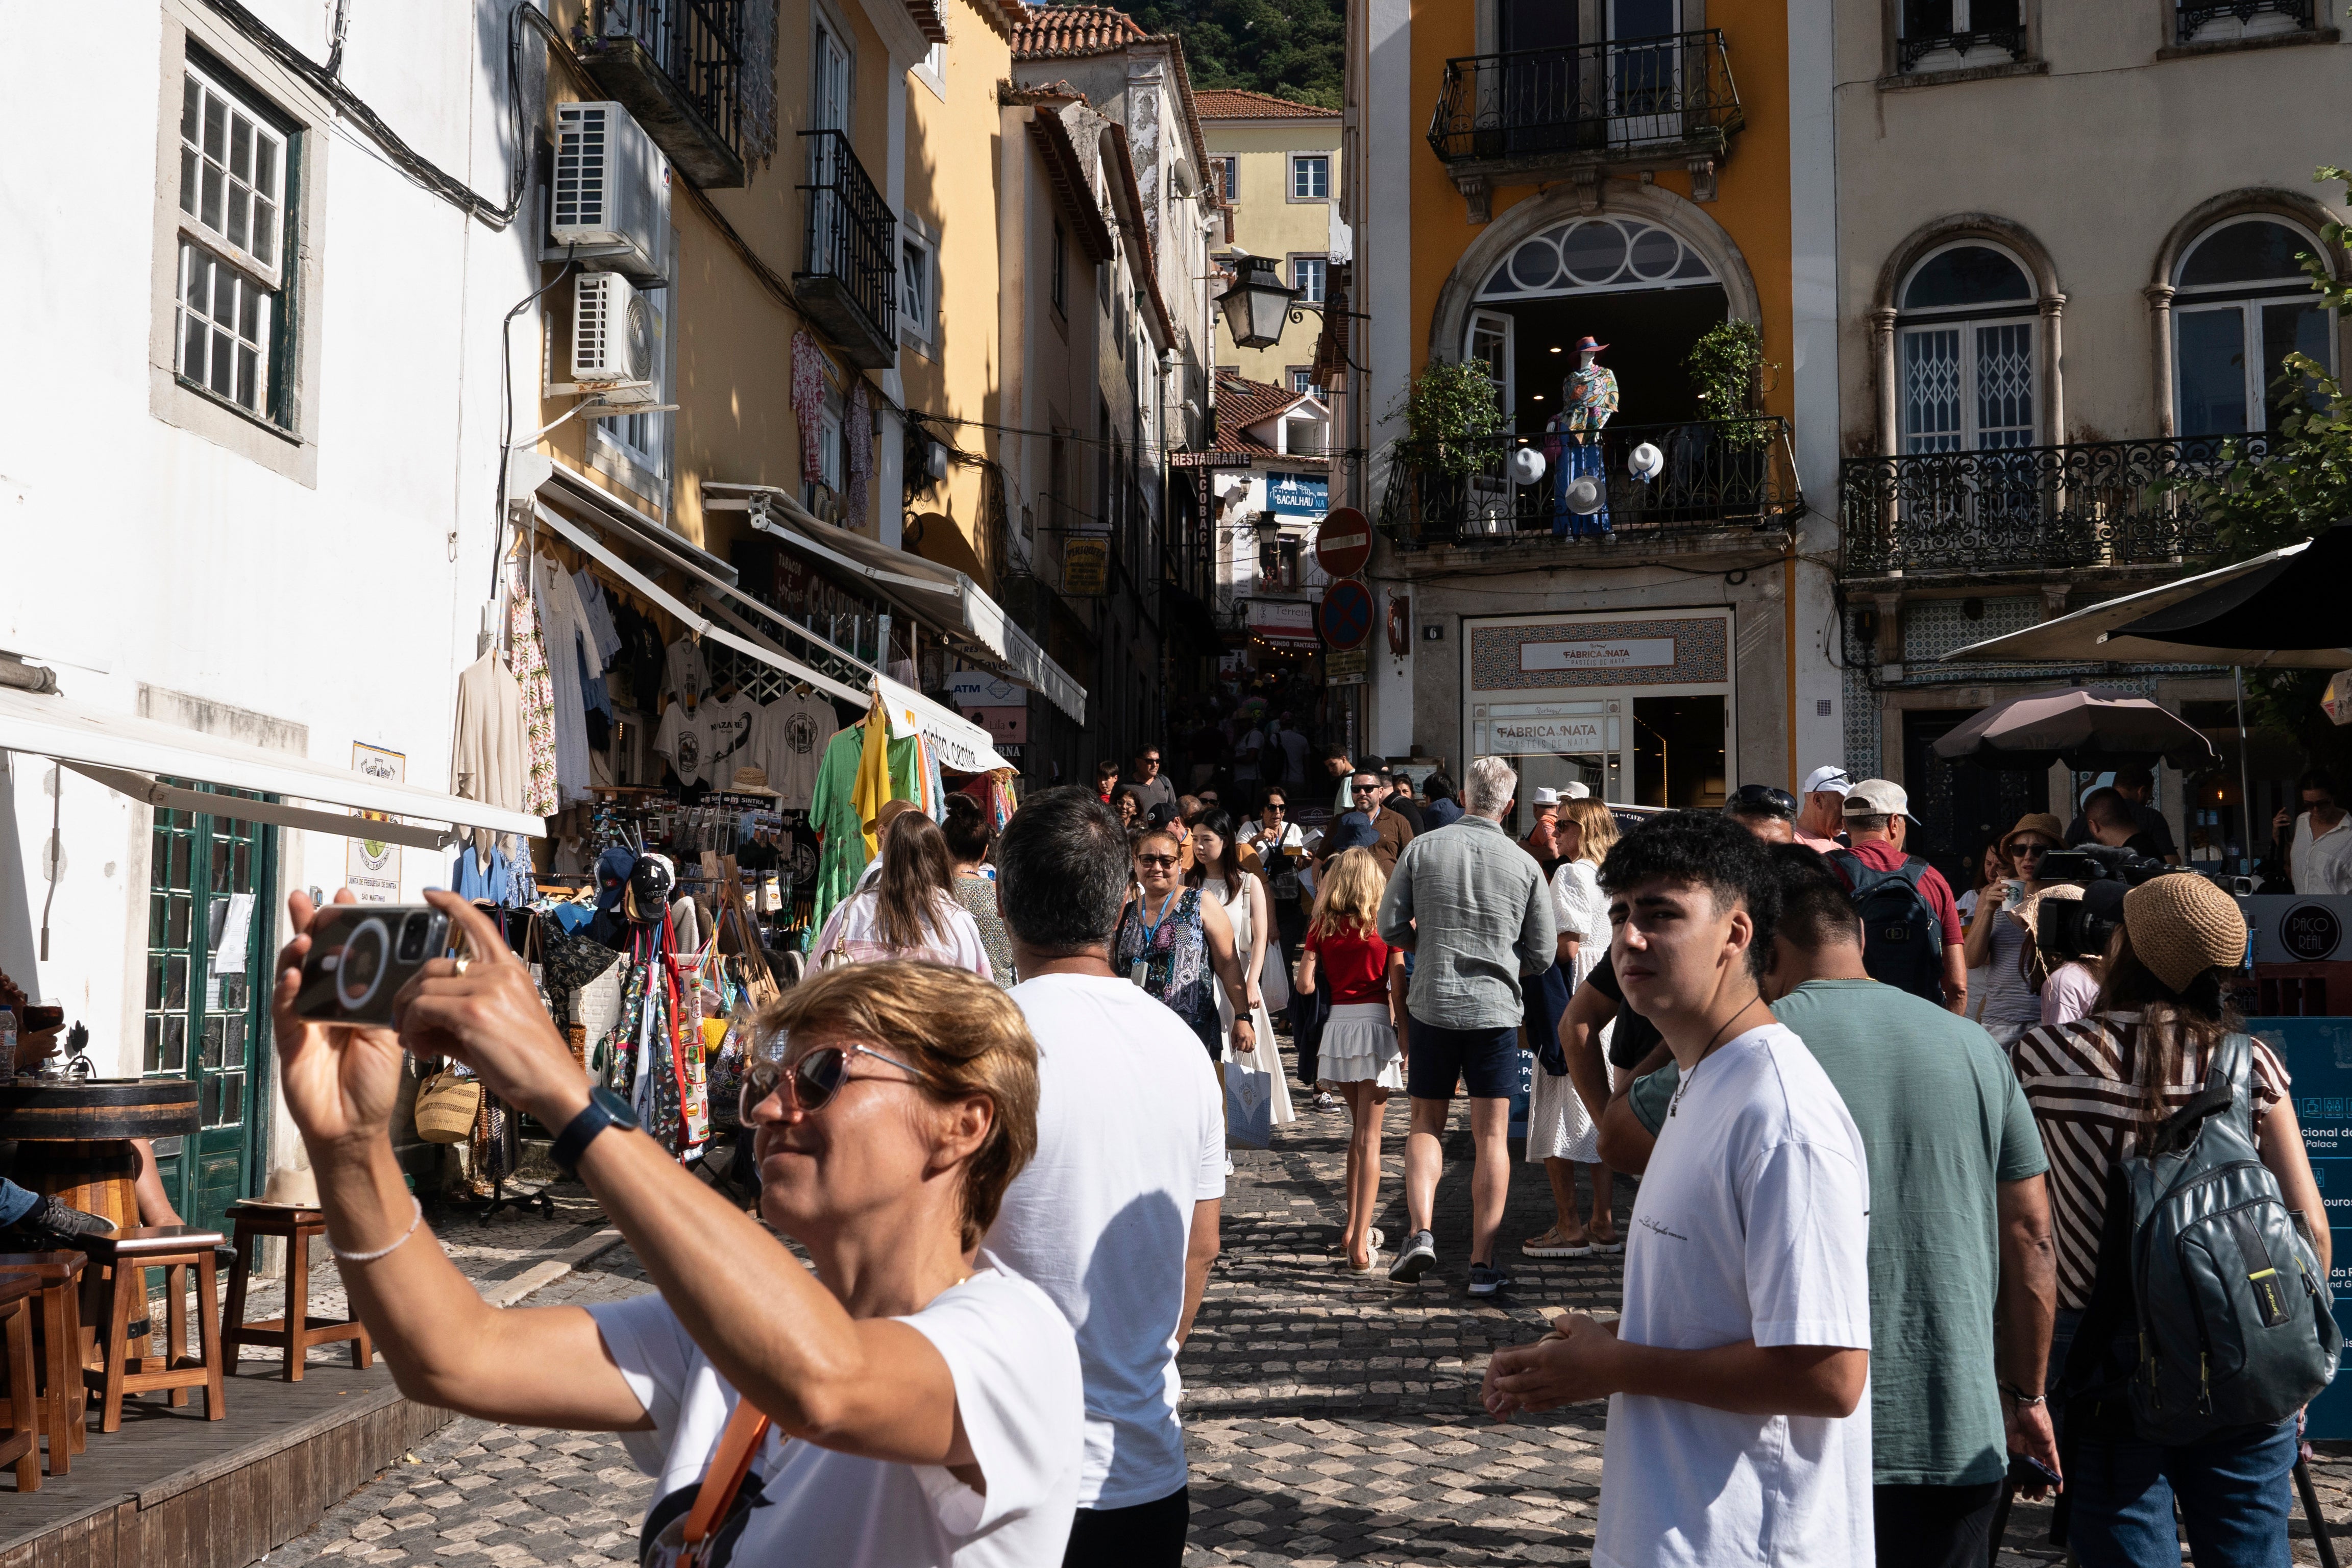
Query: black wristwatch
x,y
604,1109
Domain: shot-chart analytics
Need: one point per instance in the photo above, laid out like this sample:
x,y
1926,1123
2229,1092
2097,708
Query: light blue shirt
x,y
1474,906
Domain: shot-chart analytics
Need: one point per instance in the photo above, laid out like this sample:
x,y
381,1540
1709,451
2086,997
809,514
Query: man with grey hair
x,y
1472,909
1115,1216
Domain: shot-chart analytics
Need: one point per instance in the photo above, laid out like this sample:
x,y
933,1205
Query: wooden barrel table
x,y
73,1135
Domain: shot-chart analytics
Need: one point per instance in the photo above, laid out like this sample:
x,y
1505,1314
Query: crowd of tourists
x,y
1878,1277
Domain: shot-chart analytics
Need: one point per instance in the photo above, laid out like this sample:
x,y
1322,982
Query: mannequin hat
x,y
2181,926
1587,346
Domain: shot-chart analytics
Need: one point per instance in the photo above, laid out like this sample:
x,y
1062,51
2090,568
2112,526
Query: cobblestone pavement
x,y
1330,1420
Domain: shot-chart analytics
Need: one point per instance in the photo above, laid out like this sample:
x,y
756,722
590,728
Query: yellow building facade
x,y
1279,163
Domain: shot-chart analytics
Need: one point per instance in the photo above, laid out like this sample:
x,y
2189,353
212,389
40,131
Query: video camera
x,y
2082,928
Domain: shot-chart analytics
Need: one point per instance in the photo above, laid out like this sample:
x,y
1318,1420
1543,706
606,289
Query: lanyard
x,y
1152,930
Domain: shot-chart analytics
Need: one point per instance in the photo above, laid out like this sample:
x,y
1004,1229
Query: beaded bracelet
x,y
343,1257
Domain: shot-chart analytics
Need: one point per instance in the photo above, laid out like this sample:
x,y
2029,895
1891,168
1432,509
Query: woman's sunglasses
x,y
1156,859
817,1077
2020,850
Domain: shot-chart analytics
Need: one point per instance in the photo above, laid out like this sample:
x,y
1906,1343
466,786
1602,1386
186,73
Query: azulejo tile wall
x,y
1701,654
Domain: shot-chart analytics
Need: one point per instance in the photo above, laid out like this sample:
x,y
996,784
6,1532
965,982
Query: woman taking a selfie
x,y
907,1403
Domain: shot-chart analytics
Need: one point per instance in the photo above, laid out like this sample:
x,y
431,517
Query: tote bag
x,y
1249,1104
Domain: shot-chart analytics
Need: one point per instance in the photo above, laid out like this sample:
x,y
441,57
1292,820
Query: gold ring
x,y
457,965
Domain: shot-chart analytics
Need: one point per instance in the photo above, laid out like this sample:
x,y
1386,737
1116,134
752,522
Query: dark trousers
x,y
1935,1527
1146,1535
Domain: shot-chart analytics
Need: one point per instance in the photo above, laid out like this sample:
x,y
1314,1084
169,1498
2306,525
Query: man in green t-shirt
x,y
1962,1280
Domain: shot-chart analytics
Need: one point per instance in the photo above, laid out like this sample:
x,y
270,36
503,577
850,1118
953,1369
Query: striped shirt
x,y
2079,1078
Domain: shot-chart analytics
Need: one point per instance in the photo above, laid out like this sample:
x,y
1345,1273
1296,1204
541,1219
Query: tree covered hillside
x,y
1288,47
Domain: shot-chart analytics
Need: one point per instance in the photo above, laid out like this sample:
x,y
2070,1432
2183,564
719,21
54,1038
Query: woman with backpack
x,y
2101,1088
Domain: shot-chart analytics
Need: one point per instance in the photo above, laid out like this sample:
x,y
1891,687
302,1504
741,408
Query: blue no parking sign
x,y
1346,615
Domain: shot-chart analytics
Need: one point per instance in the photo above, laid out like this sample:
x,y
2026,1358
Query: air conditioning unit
x,y
615,339
608,205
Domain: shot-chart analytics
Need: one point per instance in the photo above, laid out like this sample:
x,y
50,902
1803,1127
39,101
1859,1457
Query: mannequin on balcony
x,y
1588,399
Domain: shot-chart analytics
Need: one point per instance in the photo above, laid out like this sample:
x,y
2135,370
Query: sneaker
x,y
1486,1278
52,1221
1326,1101
1420,1256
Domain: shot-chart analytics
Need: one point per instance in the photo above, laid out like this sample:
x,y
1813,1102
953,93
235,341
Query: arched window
x,y
2241,305
1964,351
1596,255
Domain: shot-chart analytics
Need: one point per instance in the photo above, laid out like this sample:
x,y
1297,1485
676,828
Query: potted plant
x,y
1449,411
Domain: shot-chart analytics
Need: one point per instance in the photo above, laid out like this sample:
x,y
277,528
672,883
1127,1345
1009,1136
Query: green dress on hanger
x,y
840,836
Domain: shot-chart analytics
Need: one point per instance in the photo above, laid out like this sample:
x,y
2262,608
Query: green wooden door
x,y
213,885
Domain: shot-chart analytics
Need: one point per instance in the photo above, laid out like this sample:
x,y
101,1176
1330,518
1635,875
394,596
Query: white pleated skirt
x,y
1360,1045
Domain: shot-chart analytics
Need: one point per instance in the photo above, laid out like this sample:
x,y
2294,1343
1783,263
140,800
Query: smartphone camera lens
x,y
413,933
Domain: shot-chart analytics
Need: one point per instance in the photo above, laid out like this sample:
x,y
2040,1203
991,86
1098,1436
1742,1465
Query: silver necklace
x,y
1684,1081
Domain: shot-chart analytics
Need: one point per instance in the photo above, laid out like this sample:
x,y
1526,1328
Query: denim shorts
x,y
1485,1061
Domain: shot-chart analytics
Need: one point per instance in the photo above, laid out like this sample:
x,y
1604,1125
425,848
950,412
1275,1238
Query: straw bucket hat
x,y
2181,926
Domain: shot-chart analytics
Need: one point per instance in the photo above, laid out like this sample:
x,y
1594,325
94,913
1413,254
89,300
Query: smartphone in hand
x,y
362,954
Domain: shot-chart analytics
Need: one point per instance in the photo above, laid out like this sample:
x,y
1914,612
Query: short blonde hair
x,y
1598,825
965,1034
1349,899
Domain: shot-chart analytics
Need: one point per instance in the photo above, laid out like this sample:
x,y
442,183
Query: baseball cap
x,y
1834,780
1877,798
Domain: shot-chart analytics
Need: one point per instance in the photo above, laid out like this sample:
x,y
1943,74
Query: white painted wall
x,y
141,553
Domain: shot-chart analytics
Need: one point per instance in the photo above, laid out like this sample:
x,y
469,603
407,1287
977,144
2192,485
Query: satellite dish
x,y
1526,465
1584,495
1646,461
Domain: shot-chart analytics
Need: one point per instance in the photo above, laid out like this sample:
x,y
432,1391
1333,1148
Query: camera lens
x,y
413,933
360,966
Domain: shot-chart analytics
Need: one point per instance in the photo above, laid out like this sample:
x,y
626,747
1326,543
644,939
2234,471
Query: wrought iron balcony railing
x,y
2297,15
849,277
698,75
1726,474
1594,101
2091,504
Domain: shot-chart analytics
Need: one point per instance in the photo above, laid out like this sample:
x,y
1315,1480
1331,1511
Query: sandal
x,y
1369,1269
1551,1244
1610,1247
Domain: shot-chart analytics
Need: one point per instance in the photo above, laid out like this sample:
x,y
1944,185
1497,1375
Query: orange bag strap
x,y
729,1463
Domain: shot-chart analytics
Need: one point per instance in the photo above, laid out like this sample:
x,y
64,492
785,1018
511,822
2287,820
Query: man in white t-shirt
x,y
2321,859
1115,1216
1739,1375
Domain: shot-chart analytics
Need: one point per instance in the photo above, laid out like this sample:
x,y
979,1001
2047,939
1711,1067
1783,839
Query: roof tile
x,y
1239,103
1058,31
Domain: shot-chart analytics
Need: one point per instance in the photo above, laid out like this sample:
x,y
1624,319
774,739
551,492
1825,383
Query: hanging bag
x,y
1249,1100
698,1525
446,1105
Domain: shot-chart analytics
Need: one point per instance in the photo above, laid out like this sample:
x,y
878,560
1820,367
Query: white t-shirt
x,y
1130,1135
789,743
1752,1223
684,674
707,745
1017,1391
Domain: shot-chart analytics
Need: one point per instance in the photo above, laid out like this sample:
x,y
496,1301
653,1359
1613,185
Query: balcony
x,y
1572,113
848,282
2091,505
1729,474
2234,20
693,75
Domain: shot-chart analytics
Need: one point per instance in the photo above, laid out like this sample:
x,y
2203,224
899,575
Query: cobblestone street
x,y
1330,1420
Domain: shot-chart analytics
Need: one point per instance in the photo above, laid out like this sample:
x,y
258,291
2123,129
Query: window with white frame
x,y
932,70
1964,348
1302,379
821,495
1311,177
918,285
234,224
2242,304
1307,274
643,439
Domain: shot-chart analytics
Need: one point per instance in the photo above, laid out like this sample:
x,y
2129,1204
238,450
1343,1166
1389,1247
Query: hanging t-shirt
x,y
705,746
684,675
1018,1400
788,742
1751,1222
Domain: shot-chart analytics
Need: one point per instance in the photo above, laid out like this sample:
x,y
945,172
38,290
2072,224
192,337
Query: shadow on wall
x,y
19,916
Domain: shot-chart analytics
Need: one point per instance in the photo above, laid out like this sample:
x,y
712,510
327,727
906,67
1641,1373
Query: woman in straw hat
x,y
2000,940
2098,1087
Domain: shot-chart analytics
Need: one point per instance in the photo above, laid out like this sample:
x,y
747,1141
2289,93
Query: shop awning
x,y
138,757
960,744
938,596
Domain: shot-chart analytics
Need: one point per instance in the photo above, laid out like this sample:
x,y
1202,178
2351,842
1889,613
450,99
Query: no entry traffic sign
x,y
1344,543
1346,615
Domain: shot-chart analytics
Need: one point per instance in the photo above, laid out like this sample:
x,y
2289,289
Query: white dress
x,y
1268,1051
1559,1127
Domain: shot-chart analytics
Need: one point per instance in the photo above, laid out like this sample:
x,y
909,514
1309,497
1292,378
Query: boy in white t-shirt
x,y
1738,1376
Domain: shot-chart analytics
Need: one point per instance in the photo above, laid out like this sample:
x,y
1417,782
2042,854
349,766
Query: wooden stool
x,y
296,1226
18,1295
126,1255
65,1403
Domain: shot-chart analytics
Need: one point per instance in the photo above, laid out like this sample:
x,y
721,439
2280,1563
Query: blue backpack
x,y
1902,942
